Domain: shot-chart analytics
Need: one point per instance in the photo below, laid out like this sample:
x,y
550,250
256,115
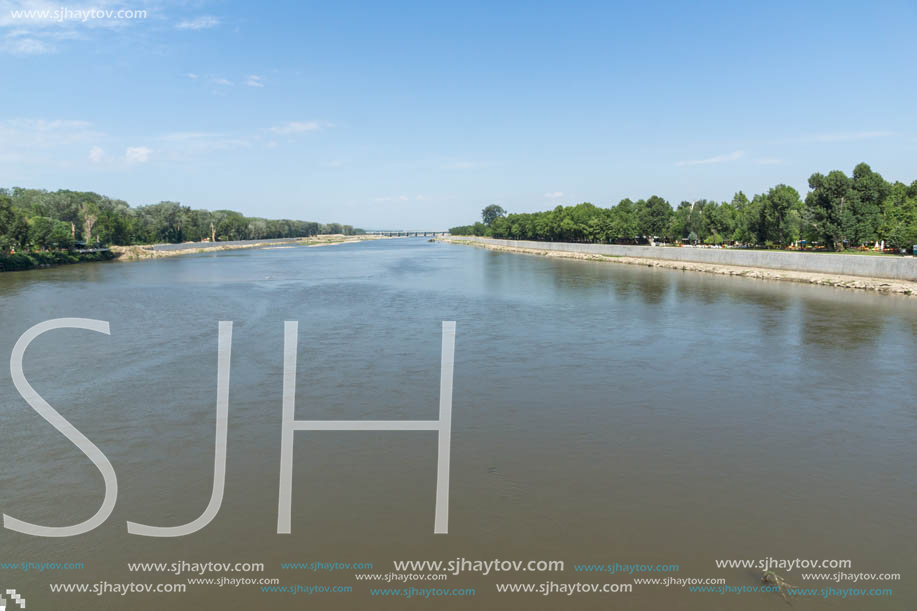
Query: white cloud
x,y
182,144
253,80
137,154
192,76
96,154
46,141
39,133
221,81
184,136
298,127
42,125
50,14
712,160
205,22
34,25
554,195
26,46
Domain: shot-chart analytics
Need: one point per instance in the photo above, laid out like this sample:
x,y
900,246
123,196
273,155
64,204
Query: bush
x,y
18,262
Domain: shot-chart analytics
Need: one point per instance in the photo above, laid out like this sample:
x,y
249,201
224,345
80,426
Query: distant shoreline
x,y
150,251
44,260
880,285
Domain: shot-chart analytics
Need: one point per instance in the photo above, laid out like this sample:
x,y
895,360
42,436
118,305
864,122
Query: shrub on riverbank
x,y
18,262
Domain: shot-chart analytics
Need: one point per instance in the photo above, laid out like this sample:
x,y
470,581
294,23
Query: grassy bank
x,y
18,262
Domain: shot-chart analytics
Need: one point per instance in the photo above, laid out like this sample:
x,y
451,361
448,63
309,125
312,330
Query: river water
x,y
602,414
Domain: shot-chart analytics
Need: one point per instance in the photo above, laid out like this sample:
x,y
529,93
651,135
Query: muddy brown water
x,y
602,414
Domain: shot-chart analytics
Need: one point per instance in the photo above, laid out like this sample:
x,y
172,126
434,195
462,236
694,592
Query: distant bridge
x,y
402,233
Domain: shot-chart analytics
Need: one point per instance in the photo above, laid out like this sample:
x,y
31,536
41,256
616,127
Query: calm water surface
x,y
602,414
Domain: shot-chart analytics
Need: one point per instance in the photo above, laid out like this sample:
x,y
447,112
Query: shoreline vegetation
x,y
40,228
40,260
880,285
858,213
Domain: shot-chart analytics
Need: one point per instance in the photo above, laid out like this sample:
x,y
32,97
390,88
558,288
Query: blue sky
x,y
394,114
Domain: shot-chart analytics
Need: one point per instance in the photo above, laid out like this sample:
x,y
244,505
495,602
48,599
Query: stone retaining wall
x,y
897,268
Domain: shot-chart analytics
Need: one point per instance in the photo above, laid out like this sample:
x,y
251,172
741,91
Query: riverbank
x,y
37,260
158,251
554,249
22,262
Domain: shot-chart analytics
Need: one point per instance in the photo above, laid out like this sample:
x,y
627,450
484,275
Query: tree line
x,y
838,212
36,219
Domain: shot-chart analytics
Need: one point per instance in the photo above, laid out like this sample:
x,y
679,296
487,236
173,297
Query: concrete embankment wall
x,y
897,268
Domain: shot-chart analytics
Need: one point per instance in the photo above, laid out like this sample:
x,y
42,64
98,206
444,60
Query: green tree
x,y
93,217
14,230
680,222
830,206
492,213
781,215
60,235
40,232
624,221
871,190
653,217
743,231
898,225
721,221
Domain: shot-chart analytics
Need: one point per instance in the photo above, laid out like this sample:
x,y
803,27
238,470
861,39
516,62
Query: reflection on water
x,y
602,413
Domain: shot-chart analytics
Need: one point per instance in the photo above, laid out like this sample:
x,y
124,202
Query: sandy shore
x,y
881,285
135,253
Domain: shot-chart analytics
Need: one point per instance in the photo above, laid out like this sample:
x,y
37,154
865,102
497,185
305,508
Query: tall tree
x,y
653,217
492,213
12,224
872,190
60,235
89,212
40,231
830,207
899,216
781,212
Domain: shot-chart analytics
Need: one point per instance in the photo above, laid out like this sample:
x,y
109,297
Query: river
x,y
602,414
